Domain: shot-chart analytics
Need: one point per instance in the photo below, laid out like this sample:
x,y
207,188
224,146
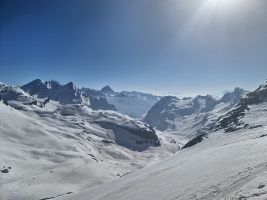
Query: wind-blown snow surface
x,y
225,165
55,149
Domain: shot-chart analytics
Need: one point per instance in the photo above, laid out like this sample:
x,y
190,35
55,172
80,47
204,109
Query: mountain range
x,y
59,142
191,116
227,163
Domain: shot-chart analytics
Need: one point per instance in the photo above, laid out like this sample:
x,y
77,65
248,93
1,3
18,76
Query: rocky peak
x,y
107,89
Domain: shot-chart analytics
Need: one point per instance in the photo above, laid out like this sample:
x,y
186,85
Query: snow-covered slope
x,y
17,98
188,117
56,149
225,165
221,167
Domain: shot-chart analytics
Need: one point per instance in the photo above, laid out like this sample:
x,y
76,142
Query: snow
x,y
134,104
63,150
57,149
2,84
65,94
185,118
223,166
263,86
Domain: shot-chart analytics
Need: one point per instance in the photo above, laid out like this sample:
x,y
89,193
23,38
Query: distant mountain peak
x,y
107,89
234,96
239,90
37,81
71,86
262,86
232,120
52,84
53,90
2,84
169,99
67,94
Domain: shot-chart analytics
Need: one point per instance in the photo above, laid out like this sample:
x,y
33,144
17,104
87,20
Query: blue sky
x,y
183,46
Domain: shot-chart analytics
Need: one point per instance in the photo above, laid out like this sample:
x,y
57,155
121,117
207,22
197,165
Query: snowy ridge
x,y
53,90
189,117
233,120
17,97
65,94
2,84
134,104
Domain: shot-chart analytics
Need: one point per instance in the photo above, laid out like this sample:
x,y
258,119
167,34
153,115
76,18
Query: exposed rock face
x,y
170,110
87,92
166,111
67,94
134,104
107,90
233,119
5,171
132,136
100,104
233,97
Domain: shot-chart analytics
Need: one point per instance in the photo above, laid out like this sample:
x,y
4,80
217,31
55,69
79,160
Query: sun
x,y
214,18
221,5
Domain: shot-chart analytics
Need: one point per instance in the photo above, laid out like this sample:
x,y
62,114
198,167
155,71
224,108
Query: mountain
x,y
237,118
227,164
188,117
17,98
58,148
55,150
88,92
107,90
66,94
233,97
3,101
12,92
134,104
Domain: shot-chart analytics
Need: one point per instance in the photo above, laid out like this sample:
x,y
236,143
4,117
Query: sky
x,y
183,47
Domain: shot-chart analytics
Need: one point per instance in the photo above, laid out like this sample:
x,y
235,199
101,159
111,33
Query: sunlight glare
x,y
223,4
